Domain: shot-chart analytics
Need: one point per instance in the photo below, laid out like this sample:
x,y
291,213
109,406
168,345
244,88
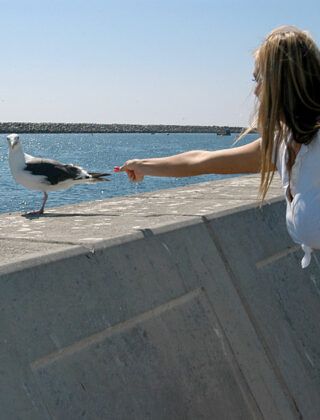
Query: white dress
x,y
303,212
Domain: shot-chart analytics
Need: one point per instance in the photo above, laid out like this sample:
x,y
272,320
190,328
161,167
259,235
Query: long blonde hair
x,y
287,72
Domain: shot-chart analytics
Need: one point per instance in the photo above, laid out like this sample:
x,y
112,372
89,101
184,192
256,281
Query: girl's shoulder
x,y
312,146
315,142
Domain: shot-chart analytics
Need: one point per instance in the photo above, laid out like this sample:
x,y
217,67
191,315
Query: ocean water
x,y
101,152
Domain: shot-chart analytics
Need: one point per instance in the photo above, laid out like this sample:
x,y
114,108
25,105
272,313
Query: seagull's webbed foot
x,y
35,213
38,213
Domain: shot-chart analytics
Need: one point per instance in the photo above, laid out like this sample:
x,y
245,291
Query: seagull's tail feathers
x,y
98,176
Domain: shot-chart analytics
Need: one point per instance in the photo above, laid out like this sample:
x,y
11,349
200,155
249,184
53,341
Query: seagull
x,y
45,175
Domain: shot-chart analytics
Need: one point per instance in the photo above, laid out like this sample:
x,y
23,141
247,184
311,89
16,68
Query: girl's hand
x,y
134,170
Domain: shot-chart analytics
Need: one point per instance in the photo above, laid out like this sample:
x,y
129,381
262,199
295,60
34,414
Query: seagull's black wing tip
x,y
98,174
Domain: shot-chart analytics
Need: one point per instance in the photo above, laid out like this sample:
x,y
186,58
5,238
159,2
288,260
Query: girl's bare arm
x,y
242,159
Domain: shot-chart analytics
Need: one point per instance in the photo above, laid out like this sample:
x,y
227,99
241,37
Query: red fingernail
x,y
116,169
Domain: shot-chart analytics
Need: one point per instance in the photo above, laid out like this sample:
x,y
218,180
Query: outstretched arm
x,y
242,159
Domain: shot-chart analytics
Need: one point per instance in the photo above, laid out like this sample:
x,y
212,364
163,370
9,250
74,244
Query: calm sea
x,y
101,152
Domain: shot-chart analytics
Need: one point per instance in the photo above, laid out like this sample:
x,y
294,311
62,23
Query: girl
x,y
287,76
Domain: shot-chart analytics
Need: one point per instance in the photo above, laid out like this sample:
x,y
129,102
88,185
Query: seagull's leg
x,y
45,198
38,212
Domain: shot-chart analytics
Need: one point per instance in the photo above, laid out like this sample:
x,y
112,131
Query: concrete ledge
x,y
190,304
87,224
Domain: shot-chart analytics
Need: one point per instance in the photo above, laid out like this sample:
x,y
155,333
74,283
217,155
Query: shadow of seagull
x,y
48,215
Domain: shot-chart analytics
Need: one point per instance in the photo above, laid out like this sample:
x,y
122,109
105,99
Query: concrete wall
x,y
211,318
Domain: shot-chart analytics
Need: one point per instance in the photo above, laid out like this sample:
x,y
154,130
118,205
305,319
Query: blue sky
x,y
137,61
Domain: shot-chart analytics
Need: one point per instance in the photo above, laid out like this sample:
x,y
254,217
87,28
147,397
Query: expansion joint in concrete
x,y
250,314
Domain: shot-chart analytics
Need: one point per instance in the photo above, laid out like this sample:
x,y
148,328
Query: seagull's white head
x,y
14,141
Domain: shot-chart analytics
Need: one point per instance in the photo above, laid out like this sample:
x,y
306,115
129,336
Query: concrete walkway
x,y
86,224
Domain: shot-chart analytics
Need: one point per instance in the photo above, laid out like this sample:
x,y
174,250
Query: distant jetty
x,y
28,127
